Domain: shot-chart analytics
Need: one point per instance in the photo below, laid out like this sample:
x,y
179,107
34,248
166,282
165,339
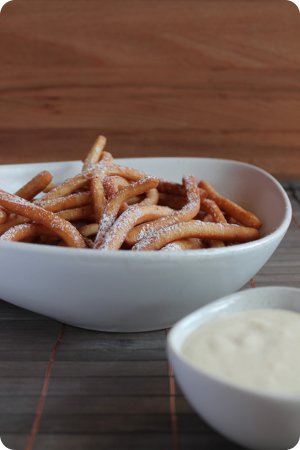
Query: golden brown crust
x,y
68,187
36,185
210,207
59,226
70,201
214,214
243,216
98,196
113,184
107,204
3,216
95,153
24,231
188,212
115,236
196,229
113,206
90,229
76,214
107,157
49,188
184,244
16,220
152,197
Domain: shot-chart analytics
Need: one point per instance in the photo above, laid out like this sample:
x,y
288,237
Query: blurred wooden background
x,y
214,78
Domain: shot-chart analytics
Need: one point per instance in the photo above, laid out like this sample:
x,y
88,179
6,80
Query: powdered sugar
x,y
33,212
117,233
188,212
9,234
113,206
199,229
171,247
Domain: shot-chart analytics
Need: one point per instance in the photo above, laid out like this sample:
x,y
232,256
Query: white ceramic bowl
x,y
249,417
138,291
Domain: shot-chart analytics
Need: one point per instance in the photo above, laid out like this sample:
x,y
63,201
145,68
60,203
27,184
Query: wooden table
x,y
62,388
214,78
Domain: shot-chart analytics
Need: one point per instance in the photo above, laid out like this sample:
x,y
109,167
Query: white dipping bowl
x,y
249,417
138,291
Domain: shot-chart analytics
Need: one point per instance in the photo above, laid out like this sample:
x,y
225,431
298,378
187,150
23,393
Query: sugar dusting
x,y
122,225
10,234
50,220
173,246
189,211
149,239
112,208
62,225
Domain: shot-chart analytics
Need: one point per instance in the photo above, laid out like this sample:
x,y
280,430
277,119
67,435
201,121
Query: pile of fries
x,y
111,207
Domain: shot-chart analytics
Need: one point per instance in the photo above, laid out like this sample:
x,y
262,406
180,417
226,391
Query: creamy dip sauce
x,y
256,349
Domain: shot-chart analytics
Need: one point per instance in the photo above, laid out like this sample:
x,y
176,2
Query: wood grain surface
x,y
104,390
185,77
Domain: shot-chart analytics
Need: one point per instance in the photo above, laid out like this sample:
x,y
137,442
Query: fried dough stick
x,y
113,184
69,201
64,229
24,231
152,197
107,157
113,206
196,229
214,214
95,153
116,235
75,214
184,244
90,229
67,207
98,196
243,216
188,212
36,185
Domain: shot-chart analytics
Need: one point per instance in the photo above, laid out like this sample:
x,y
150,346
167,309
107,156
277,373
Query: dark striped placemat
x,y
63,388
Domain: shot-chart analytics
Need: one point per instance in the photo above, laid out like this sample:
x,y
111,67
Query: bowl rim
x,y
278,233
223,303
